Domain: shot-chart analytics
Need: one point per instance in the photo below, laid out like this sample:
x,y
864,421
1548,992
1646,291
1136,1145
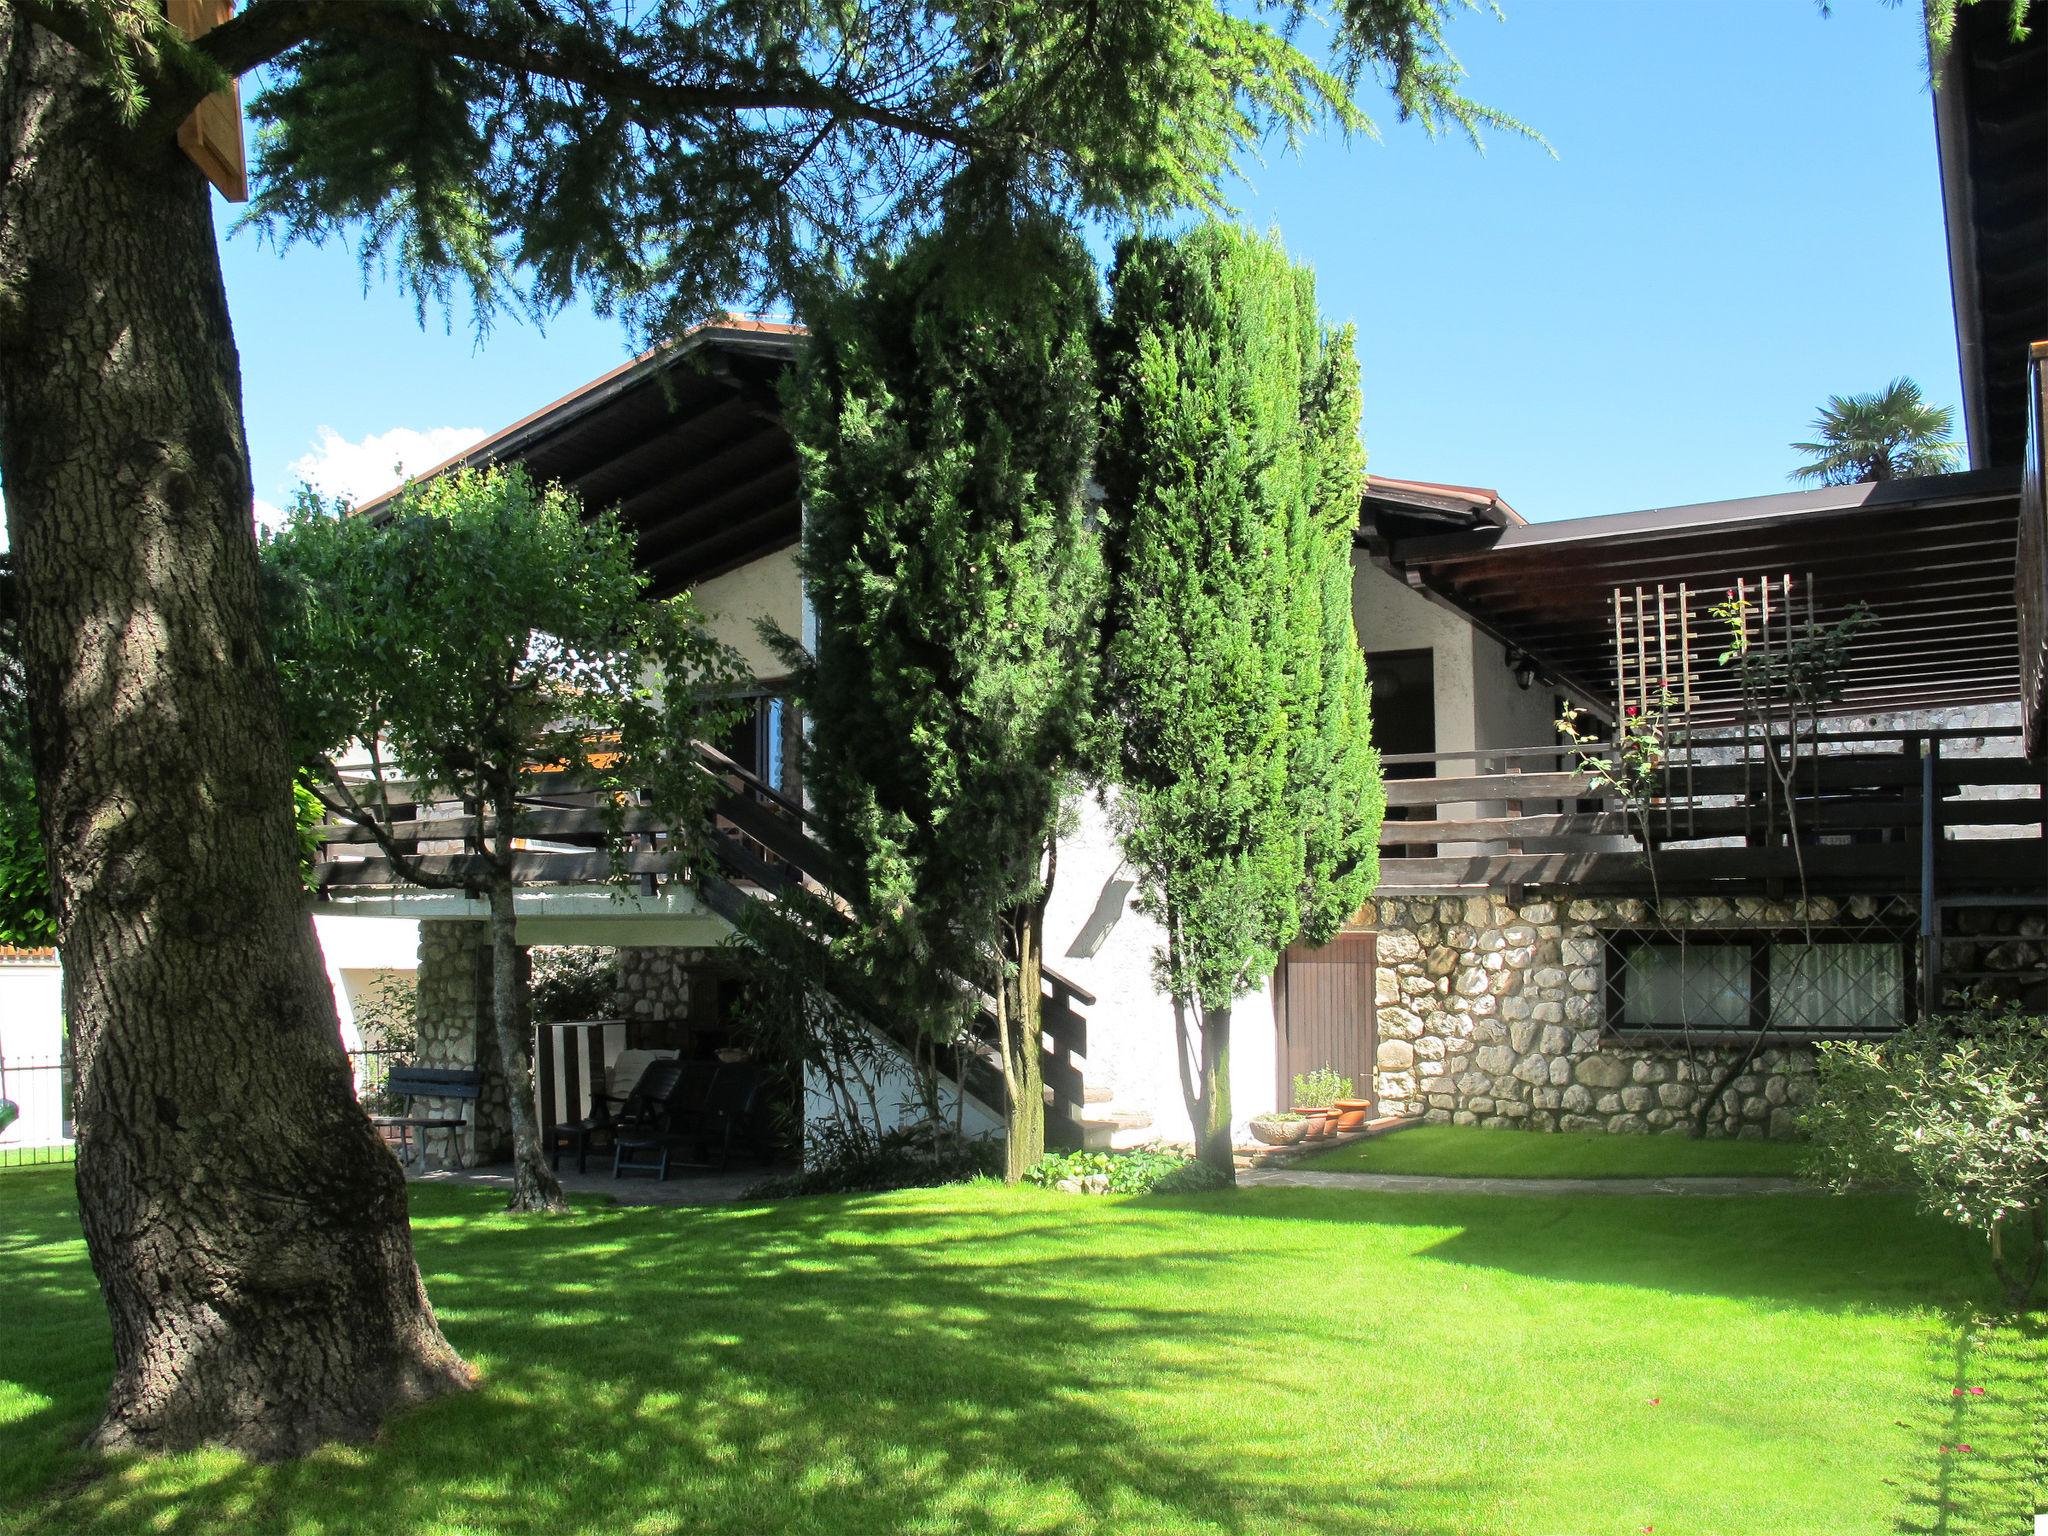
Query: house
x,y
1523,961
1543,949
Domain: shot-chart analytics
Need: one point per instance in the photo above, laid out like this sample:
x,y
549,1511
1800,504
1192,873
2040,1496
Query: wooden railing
x,y
2030,574
760,847
1855,812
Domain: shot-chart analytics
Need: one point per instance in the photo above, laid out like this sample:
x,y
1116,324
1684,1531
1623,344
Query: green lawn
x,y
1462,1151
974,1361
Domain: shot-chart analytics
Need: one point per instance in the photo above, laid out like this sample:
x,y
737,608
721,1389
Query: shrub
x,y
571,985
1321,1088
847,1157
1957,1112
1129,1173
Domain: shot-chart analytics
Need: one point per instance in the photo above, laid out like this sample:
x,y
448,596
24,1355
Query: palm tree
x,y
1891,435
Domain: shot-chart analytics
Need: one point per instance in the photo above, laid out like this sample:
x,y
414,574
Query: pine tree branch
x,y
270,28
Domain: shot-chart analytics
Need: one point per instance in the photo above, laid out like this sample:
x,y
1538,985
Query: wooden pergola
x,y
1932,558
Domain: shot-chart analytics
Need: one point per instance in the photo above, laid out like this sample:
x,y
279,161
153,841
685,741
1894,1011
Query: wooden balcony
x,y
2030,566
1921,812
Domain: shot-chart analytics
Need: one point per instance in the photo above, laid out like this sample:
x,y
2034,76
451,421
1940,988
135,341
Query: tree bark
x,y
534,1185
1023,1043
247,1227
1212,1126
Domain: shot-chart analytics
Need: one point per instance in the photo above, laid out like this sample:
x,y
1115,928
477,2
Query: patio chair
x,y
644,1140
726,1112
640,1081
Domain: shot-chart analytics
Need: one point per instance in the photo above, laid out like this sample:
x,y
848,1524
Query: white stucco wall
x,y
31,1043
768,588
1390,616
361,952
897,1100
1131,1044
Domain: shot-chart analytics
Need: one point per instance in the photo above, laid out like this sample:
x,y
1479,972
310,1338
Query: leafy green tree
x,y
25,915
1335,771
945,413
665,159
1249,792
481,641
1956,1110
1892,434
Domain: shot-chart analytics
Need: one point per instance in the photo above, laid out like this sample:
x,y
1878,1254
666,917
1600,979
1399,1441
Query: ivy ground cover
x,y
982,1360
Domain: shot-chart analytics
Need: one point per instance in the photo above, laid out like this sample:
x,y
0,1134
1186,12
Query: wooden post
x,y
212,136
1620,663
1930,925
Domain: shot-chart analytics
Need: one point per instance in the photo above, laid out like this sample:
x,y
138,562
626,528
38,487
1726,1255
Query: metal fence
x,y
40,1089
371,1068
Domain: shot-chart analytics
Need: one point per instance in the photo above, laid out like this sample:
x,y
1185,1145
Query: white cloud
x,y
368,467
268,514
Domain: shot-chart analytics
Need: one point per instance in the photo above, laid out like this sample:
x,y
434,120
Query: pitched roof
x,y
1933,558
685,442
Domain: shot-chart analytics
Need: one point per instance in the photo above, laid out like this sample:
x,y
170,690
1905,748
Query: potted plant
x,y
1316,1094
1282,1128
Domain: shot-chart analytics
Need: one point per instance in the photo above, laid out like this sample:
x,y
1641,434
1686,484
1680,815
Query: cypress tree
x,y
1337,771
1248,790
945,415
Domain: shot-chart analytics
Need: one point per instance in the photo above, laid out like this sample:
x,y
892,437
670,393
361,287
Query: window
x,y
1691,986
758,740
1720,982
1817,988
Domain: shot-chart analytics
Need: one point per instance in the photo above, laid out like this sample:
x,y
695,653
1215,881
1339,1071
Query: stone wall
x,y
673,984
1492,1013
456,1030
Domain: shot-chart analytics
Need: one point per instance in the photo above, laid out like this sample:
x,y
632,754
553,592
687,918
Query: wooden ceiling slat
x,y
671,544
772,529
739,464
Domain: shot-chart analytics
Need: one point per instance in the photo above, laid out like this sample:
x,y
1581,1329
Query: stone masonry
x,y
456,1030
654,983
1491,1013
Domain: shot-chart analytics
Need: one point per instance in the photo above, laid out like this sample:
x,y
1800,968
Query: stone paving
x,y
1438,1184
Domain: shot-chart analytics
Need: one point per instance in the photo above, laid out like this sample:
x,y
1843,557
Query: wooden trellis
x,y
1666,638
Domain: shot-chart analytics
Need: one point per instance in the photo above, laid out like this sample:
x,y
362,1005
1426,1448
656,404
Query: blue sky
x,y
1742,218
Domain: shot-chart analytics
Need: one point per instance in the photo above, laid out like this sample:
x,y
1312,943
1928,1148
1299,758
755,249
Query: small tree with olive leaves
x,y
484,636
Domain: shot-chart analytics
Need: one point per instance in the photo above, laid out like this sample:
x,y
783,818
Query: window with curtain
x,y
1684,986
1728,982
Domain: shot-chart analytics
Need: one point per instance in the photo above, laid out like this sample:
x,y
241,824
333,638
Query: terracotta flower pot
x,y
1317,1120
1351,1113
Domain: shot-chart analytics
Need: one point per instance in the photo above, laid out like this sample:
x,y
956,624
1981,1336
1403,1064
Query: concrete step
x,y
1115,1130
1098,1095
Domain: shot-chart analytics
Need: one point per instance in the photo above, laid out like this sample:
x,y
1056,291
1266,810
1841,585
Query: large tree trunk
x,y
1024,1067
1212,1122
247,1227
534,1185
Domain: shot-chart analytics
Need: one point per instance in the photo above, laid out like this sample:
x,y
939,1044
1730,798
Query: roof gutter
x,y
1951,139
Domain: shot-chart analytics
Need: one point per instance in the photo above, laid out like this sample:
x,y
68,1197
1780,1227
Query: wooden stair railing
x,y
784,856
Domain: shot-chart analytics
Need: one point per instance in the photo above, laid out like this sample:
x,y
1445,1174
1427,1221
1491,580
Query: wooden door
x,y
1326,1012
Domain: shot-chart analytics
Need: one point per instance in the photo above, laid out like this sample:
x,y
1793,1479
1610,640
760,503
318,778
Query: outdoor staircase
x,y
1107,1128
761,841
764,863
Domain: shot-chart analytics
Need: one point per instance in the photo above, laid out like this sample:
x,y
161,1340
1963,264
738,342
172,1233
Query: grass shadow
x,y
842,1366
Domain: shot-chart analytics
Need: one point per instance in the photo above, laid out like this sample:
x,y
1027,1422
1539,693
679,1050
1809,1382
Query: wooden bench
x,y
415,1083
